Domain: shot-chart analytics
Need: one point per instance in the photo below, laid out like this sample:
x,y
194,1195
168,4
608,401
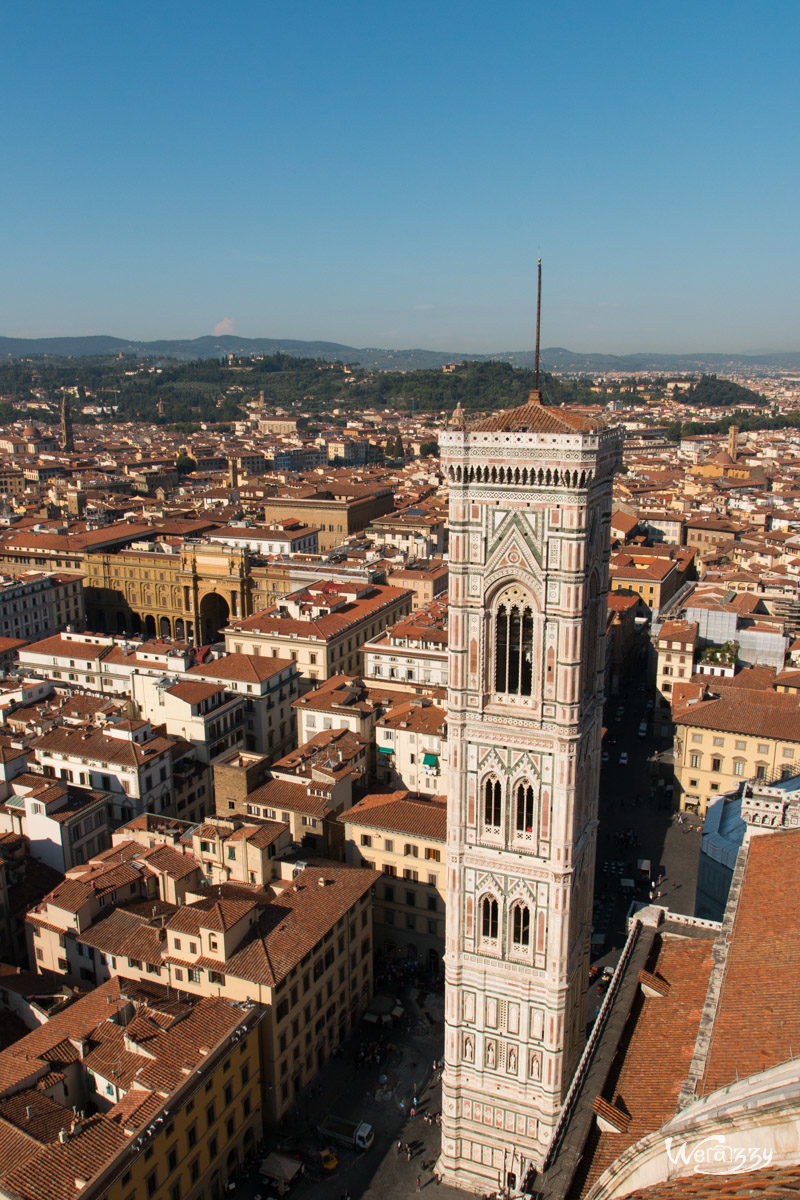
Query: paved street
x,y
637,822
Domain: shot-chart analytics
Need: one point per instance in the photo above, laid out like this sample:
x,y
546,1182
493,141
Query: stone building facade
x,y
530,506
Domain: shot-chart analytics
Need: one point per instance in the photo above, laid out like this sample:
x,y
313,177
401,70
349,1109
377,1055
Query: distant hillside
x,y
555,358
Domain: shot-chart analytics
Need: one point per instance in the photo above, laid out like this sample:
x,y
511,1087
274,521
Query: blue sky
x,y
386,173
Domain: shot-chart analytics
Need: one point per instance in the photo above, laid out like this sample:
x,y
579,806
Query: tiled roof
x,y
353,613
397,812
741,710
96,745
535,417
242,668
773,1183
193,692
295,922
656,1050
218,915
757,1024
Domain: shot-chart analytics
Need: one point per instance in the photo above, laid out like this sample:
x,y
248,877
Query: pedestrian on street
x,y
408,1152
399,1147
419,1183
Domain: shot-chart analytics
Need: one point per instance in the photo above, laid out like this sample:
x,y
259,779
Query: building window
x,y
716,764
738,766
694,762
489,918
513,643
718,741
492,796
521,926
524,824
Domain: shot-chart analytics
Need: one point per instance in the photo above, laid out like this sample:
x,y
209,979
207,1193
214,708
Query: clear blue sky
x,y
386,172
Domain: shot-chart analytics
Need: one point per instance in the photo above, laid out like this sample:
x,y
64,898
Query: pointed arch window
x,y
513,644
524,810
492,803
520,927
490,919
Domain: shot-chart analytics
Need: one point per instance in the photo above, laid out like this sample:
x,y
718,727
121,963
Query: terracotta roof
x,y
738,709
296,921
353,613
535,417
655,1052
194,692
773,1183
242,668
218,915
398,812
757,1024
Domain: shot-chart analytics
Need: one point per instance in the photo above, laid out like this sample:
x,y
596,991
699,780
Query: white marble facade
x,y
530,505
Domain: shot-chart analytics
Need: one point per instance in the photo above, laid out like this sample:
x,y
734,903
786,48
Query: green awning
x,y
385,749
430,760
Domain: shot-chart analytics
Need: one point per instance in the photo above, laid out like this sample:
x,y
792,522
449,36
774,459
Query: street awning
x,y
430,760
385,749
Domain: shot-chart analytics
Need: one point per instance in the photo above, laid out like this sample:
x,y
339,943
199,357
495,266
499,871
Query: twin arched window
x,y
520,923
523,808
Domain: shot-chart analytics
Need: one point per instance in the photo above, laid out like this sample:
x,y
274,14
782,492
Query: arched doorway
x,y
165,628
149,626
214,614
180,632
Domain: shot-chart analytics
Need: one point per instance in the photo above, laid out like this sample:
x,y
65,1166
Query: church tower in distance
x,y
530,507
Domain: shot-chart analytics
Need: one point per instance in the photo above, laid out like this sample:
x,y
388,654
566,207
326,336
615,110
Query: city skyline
x,y
389,179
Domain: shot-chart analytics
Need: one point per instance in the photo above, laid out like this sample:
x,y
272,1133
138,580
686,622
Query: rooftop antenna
x,y
535,395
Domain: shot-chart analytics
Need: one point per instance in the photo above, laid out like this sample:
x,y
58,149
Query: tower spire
x,y
67,439
536,394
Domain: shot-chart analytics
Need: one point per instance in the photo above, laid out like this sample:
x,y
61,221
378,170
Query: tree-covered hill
x,y
711,392
214,390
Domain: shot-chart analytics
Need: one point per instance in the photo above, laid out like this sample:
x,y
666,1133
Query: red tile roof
x,y
535,417
757,1024
398,812
656,1050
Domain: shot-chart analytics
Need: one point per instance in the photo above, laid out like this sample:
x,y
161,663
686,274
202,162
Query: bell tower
x,y
530,507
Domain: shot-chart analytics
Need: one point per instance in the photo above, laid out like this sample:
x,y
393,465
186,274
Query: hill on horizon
x,y
554,358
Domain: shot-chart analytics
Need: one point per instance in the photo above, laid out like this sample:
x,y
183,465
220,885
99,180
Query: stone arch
x,y
213,616
165,628
149,628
